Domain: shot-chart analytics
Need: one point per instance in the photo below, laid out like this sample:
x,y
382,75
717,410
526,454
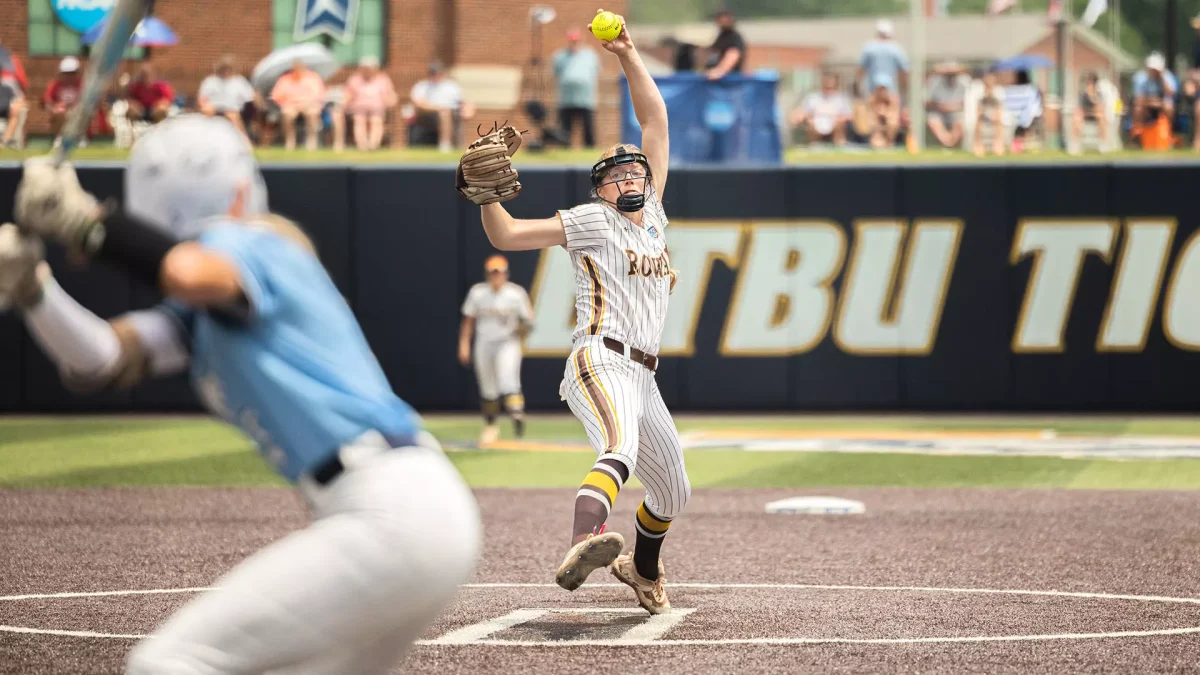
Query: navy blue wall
x,y
404,247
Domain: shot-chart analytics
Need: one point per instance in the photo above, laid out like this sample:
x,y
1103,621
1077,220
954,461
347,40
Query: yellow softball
x,y
606,26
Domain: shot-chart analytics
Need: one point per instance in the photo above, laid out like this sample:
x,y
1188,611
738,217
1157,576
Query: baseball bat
x,y
105,56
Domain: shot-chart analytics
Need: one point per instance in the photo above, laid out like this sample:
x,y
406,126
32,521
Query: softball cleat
x,y
651,595
589,555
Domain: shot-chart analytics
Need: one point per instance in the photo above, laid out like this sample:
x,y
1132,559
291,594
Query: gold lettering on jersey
x,y
647,266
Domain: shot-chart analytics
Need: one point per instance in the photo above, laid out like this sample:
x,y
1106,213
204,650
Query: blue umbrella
x,y
151,32
1023,62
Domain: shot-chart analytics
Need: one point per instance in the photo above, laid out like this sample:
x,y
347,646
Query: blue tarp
x,y
731,120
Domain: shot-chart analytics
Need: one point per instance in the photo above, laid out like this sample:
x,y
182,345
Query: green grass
x,y
118,451
800,156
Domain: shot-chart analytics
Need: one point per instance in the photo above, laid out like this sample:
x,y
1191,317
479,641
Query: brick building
x,y
474,37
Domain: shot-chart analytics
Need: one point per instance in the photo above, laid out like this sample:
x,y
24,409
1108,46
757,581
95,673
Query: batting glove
x,y
50,202
20,255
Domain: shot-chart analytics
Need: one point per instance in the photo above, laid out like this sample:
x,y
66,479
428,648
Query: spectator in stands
x,y
990,116
440,109
62,94
883,72
227,94
824,114
13,110
333,116
945,103
369,95
150,99
300,91
1090,109
728,52
577,70
1023,105
1154,91
884,109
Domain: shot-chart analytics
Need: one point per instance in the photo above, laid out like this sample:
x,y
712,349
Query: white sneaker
x,y
650,594
490,434
589,555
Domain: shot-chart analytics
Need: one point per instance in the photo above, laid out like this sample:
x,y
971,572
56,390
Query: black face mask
x,y
631,203
625,203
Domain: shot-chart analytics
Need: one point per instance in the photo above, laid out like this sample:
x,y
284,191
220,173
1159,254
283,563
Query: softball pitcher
x,y
499,315
273,348
623,278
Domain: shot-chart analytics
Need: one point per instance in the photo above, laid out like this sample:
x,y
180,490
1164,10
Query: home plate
x,y
816,505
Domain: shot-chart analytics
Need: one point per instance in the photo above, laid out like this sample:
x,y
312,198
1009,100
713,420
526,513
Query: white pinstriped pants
x,y
498,368
622,410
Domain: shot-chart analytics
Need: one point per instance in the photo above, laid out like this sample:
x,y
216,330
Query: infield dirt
x,y
1127,543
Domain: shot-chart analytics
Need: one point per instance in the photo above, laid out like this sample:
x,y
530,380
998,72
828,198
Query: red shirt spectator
x,y
149,98
150,94
64,90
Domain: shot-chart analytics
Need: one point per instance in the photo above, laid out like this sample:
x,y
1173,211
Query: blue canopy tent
x,y
733,120
151,32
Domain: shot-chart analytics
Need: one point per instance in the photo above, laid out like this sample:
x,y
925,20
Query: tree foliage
x,y
1141,25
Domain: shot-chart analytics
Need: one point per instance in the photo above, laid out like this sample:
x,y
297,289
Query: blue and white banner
x,y
336,18
80,15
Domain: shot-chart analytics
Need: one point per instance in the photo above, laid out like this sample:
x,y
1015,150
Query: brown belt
x,y
636,355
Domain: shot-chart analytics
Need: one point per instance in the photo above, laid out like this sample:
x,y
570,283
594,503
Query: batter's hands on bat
x,y
622,43
50,202
21,254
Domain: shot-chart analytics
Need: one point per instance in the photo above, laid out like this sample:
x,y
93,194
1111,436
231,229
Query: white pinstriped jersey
x,y
622,272
497,314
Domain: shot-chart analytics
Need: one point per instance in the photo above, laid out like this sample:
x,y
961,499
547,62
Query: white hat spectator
x,y
885,28
369,61
1156,61
69,64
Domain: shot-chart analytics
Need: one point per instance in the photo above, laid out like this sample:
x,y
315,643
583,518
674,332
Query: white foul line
x,y
68,633
103,594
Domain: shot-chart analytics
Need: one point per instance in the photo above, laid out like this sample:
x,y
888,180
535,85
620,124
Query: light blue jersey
x,y
295,373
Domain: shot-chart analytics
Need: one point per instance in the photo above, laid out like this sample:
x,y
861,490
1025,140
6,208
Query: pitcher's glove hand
x,y
485,174
674,279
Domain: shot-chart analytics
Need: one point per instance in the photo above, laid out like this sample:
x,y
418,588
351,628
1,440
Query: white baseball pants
x,y
394,536
622,410
498,368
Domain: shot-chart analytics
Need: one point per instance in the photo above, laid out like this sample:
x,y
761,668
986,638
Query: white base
x,y
816,505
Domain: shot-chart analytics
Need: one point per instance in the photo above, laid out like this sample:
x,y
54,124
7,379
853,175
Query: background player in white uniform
x,y
623,278
499,315
273,348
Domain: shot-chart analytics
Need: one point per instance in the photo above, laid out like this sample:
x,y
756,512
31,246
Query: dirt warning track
x,y
924,581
